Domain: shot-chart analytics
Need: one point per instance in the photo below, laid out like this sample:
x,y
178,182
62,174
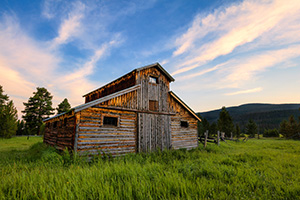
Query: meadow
x,y
256,169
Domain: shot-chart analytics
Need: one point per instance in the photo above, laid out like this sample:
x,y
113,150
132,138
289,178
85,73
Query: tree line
x,y
287,128
37,108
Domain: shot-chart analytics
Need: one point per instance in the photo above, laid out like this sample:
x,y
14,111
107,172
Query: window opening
x,y
184,124
153,105
153,79
110,121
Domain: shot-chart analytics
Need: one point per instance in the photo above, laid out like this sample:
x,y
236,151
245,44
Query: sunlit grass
x,y
257,169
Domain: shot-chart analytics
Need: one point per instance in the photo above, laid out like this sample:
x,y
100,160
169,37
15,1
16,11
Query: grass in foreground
x,y
257,169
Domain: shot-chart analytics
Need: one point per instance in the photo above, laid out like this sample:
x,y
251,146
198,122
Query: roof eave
x,y
160,67
185,105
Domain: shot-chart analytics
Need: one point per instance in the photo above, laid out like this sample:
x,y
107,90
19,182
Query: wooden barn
x,y
134,113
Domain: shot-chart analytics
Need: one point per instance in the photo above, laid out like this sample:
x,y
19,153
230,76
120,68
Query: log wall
x,y
60,132
95,138
182,137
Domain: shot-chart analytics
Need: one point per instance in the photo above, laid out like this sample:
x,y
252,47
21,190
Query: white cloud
x,y
202,72
50,8
15,85
226,29
71,25
245,91
19,52
246,69
26,63
89,66
77,83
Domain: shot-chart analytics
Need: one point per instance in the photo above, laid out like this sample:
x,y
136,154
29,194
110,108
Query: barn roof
x,y
157,65
97,101
184,105
127,90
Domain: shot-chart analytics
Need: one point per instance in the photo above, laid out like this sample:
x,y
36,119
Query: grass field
x,y
257,169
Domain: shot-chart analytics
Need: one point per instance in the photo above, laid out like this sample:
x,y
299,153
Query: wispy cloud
x,y
202,72
245,91
71,25
239,71
90,65
77,83
21,53
27,63
221,32
23,62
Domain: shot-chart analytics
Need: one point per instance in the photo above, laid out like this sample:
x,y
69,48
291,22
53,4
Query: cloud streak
x,y
26,63
221,32
70,26
245,91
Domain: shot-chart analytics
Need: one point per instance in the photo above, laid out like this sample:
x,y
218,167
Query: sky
x,y
221,53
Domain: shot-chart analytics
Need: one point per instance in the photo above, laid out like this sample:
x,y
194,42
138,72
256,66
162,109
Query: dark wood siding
x,y
128,100
120,84
63,135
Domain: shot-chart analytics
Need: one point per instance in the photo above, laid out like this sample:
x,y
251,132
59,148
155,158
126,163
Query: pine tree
x,y
213,129
299,126
8,116
203,126
284,128
237,131
292,127
37,108
251,128
21,128
225,123
64,106
3,97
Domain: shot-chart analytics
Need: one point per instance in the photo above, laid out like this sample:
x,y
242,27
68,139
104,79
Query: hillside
x,y
265,115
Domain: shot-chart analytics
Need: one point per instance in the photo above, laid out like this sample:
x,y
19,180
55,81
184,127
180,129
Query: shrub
x,y
271,133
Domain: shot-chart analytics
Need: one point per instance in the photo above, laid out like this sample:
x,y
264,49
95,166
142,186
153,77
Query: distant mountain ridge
x,y
265,115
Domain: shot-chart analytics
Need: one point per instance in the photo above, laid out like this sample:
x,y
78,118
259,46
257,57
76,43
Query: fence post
x,y
231,137
218,138
223,135
205,139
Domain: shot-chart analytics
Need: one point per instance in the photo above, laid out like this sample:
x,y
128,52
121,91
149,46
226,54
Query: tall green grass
x,y
257,169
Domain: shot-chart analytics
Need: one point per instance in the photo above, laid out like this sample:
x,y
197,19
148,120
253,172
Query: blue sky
x,y
221,53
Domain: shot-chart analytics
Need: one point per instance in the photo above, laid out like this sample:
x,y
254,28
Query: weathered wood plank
x,y
105,135
124,142
103,146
